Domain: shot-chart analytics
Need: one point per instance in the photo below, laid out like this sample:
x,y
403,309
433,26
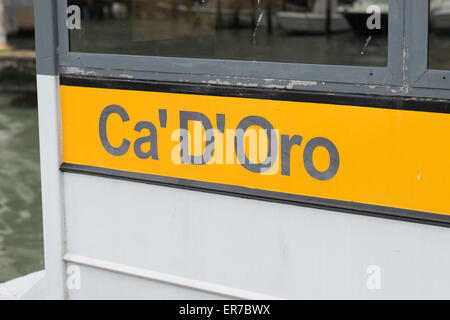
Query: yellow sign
x,y
374,156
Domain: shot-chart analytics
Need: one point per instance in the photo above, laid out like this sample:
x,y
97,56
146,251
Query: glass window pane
x,y
344,32
439,35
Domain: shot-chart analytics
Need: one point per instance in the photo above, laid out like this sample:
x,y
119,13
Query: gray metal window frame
x,y
241,72
418,25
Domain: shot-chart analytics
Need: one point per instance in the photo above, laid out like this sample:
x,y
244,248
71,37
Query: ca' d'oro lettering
x,y
272,151
186,158
333,168
279,146
121,150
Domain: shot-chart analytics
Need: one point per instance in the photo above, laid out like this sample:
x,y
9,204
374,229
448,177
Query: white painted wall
x,y
259,247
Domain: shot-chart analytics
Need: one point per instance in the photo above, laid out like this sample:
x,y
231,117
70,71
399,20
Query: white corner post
x,y
50,148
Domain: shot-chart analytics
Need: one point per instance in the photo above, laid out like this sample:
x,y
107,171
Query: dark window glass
x,y
345,32
439,35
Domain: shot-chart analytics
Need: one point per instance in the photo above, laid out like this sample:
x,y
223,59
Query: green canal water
x,y
21,244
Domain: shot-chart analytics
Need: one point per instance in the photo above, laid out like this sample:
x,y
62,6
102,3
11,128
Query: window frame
x,y
422,76
313,76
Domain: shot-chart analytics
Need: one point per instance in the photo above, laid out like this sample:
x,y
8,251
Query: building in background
x,y
15,15
19,15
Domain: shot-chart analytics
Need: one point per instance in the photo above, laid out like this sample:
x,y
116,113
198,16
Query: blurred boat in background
x,y
313,22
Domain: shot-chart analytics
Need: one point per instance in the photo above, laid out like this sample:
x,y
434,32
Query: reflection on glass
x,y
344,32
439,35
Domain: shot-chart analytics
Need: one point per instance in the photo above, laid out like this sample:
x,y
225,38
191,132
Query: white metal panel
x,y
162,278
273,249
52,184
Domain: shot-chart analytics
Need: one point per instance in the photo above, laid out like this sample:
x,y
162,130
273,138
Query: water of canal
x,y
21,244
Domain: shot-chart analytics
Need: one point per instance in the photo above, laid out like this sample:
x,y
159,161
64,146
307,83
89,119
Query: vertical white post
x,y
52,184
50,137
